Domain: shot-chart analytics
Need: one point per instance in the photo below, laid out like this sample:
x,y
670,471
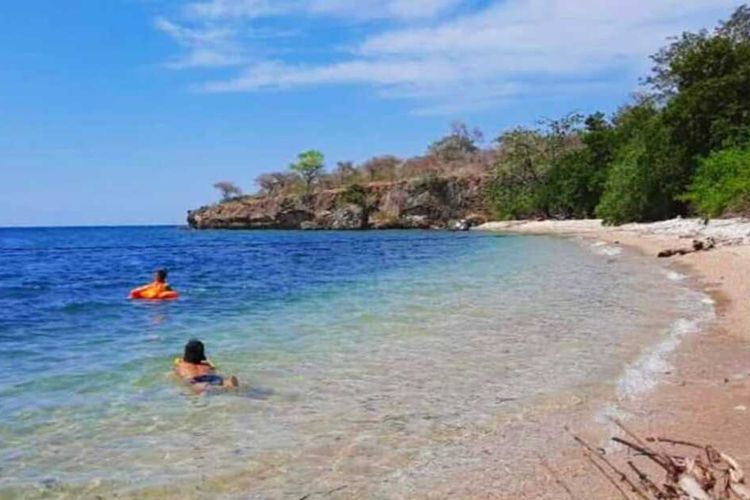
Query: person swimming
x,y
198,371
158,289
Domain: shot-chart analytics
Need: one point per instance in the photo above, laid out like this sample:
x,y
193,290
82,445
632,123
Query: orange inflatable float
x,y
154,291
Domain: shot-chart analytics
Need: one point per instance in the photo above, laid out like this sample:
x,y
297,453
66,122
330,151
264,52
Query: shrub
x,y
626,196
722,183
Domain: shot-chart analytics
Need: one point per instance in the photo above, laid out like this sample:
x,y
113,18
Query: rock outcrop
x,y
422,203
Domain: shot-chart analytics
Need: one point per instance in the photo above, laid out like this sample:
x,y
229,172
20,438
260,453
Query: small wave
x,y
604,248
645,373
675,276
607,250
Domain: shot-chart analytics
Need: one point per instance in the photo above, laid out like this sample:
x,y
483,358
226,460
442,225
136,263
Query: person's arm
x,y
142,288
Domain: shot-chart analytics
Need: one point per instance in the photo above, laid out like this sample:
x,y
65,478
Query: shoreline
x,y
705,395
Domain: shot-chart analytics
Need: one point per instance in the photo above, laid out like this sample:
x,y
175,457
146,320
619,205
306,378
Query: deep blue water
x,y
317,325
63,290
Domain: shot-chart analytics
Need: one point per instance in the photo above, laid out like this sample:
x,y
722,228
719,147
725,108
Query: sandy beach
x,y
704,398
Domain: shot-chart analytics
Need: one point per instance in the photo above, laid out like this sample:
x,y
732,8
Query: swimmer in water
x,y
157,289
195,369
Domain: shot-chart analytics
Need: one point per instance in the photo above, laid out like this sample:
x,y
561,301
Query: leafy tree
x,y
460,144
228,190
600,139
712,108
674,66
628,188
704,80
366,200
572,187
579,162
532,168
309,166
522,166
722,183
646,178
701,104
585,170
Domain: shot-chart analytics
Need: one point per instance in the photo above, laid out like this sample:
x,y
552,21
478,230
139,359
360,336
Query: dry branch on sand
x,y
698,246
706,474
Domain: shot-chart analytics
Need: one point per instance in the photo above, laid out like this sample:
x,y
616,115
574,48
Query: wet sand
x,y
705,398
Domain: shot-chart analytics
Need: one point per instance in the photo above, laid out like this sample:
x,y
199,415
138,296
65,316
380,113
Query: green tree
x,y
704,81
629,188
722,183
309,166
711,110
600,145
578,166
646,178
518,174
531,169
572,187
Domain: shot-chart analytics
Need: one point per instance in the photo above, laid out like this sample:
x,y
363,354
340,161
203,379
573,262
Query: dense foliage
x,y
639,165
722,183
680,147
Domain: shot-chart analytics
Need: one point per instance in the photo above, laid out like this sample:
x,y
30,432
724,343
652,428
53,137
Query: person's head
x,y
161,275
195,352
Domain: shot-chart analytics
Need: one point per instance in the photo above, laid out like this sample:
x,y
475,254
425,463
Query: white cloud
x,y
228,9
389,9
360,9
477,58
204,47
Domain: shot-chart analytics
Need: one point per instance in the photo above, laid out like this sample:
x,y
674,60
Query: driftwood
x,y
698,246
706,475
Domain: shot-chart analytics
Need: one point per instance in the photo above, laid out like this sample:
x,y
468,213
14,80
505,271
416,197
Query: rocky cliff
x,y
426,202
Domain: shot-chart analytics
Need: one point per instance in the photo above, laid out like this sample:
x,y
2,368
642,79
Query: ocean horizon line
x,y
90,226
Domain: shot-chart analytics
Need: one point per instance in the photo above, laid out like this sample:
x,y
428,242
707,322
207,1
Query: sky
x,y
128,111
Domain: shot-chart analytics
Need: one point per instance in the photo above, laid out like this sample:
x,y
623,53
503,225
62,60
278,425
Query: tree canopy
x,y
309,166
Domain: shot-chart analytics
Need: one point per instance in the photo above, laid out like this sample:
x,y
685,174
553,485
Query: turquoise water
x,y
358,352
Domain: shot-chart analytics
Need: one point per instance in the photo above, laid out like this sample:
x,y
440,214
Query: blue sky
x,y
127,111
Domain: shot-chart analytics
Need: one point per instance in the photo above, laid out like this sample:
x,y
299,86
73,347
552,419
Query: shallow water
x,y
359,352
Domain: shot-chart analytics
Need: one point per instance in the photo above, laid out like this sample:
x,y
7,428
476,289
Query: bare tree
x,y
228,190
381,168
275,182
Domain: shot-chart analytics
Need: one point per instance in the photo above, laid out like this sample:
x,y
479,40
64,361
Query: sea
x,y
368,361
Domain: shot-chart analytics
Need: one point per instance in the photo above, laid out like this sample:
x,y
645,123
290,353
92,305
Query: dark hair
x,y
161,274
194,352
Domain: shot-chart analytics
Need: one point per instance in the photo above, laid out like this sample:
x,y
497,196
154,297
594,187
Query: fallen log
x,y
697,246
